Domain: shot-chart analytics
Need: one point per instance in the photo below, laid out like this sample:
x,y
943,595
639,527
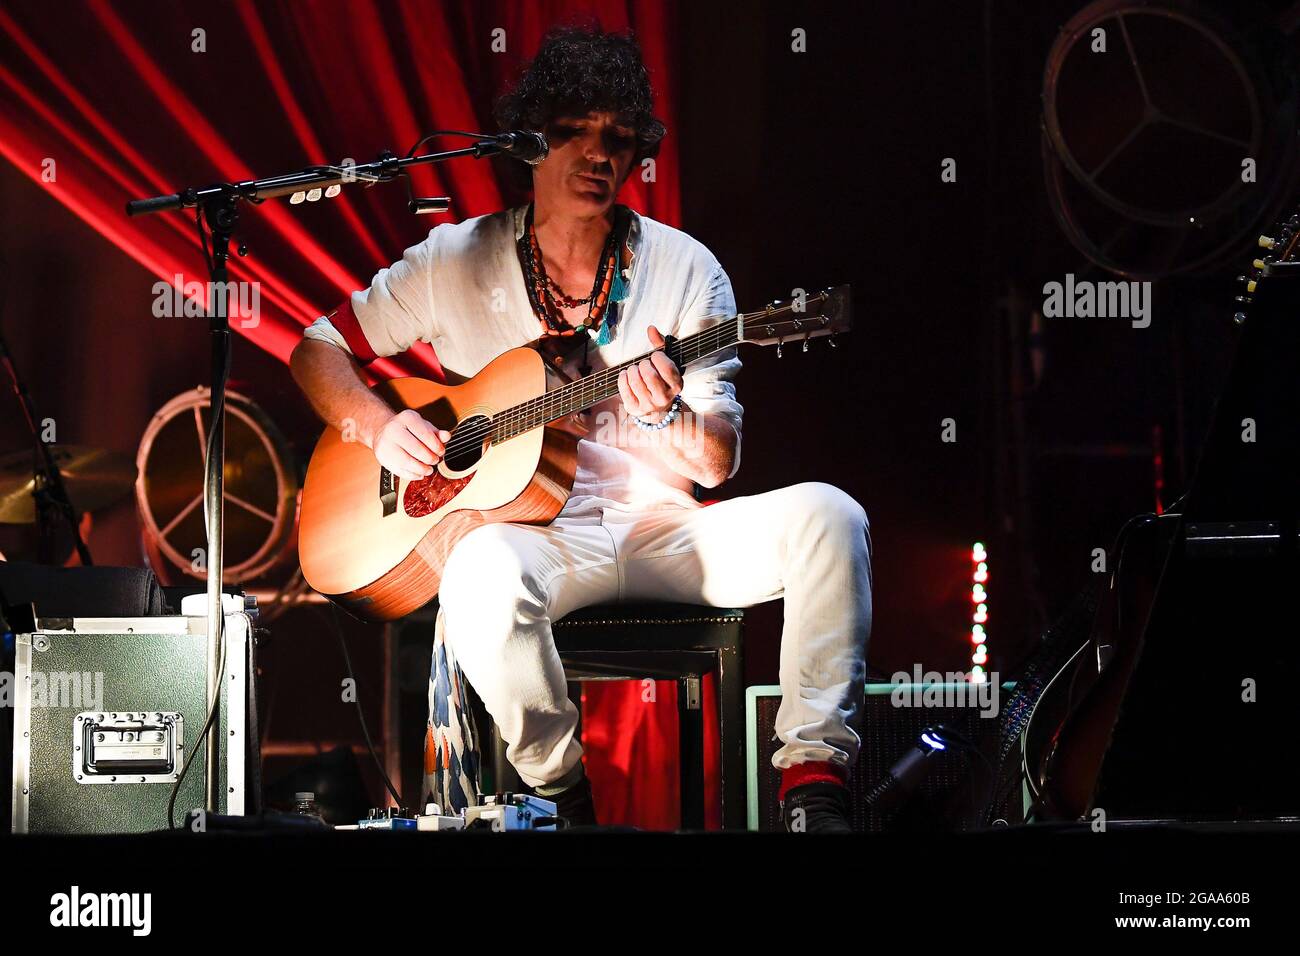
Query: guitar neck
x,y
799,320
585,392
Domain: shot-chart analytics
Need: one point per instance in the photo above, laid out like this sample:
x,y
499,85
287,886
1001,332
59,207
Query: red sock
x,y
814,771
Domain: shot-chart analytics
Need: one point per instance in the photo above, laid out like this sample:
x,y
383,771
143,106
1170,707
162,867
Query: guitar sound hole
x,y
464,449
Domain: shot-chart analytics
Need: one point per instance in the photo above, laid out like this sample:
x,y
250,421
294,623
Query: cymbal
x,y
94,477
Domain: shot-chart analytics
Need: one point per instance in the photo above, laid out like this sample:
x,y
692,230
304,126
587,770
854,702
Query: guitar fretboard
x,y
595,388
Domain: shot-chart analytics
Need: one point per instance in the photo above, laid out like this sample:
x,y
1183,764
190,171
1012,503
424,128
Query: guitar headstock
x,y
805,317
1278,251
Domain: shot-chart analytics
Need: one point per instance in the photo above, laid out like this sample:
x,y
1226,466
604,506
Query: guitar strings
x,y
586,390
714,338
523,417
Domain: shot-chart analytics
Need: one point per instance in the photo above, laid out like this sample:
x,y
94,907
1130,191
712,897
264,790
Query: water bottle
x,y
305,805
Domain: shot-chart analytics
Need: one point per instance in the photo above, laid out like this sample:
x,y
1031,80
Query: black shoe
x,y
575,805
817,808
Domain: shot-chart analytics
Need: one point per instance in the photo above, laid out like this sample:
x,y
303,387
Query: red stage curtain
x,y
116,96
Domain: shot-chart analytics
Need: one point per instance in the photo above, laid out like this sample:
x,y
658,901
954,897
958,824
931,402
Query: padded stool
x,y
662,641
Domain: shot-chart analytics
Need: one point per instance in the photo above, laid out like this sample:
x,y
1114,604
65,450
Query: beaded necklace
x,y
546,297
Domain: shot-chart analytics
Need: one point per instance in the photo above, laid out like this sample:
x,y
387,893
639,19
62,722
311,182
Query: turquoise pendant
x,y
606,335
617,293
618,288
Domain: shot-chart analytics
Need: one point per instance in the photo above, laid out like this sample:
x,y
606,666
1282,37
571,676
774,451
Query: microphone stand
x,y
385,169
217,204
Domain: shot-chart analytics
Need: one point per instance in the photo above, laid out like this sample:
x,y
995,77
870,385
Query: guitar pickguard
x,y
427,495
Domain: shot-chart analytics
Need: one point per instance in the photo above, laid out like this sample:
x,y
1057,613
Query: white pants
x,y
504,583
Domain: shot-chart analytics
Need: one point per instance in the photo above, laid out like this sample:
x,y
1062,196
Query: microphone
x,y
524,145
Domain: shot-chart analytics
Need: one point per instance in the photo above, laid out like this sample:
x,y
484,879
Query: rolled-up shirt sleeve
x,y
709,383
390,316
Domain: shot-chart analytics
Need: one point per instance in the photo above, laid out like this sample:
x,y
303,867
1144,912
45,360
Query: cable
x,y
406,176
207,726
217,414
203,237
446,132
980,809
1048,661
332,616
1121,543
1063,639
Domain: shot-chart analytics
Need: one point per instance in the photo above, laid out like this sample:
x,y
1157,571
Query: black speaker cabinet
x,y
947,799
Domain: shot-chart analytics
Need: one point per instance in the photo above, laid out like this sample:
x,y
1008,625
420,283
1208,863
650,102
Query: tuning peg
x,y
1239,318
833,345
1258,264
1267,242
805,343
779,345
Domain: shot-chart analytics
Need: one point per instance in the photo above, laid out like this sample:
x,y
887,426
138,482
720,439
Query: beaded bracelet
x,y
667,420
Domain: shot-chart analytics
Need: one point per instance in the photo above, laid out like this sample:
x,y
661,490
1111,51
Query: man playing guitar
x,y
632,528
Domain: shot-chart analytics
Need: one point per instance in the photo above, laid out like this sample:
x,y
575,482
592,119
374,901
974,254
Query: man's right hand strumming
x,y
403,442
409,446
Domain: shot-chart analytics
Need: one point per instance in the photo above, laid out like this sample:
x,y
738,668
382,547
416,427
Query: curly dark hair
x,y
580,69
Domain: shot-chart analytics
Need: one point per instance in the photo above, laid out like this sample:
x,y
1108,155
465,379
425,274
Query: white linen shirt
x,y
462,290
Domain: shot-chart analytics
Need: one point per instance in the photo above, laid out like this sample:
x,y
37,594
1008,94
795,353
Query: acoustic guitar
x,y
377,545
